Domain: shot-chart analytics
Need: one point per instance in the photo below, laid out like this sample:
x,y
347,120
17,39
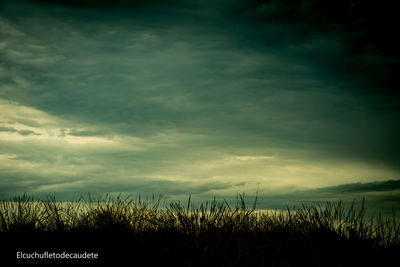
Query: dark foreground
x,y
134,233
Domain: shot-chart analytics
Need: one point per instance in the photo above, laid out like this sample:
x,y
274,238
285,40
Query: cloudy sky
x,y
294,99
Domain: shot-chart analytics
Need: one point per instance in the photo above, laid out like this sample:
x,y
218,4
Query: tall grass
x,y
127,213
213,233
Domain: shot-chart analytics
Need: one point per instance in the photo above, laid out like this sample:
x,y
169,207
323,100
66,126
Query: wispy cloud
x,y
21,132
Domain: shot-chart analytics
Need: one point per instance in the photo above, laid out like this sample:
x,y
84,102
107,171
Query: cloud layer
x,y
182,97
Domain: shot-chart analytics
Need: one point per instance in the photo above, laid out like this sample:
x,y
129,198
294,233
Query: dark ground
x,y
218,248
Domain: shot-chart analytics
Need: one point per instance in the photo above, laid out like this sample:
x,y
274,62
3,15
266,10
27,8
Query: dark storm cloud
x,y
363,187
194,84
370,54
106,3
237,87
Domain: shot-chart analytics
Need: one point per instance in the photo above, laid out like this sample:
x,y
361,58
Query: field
x,y
135,232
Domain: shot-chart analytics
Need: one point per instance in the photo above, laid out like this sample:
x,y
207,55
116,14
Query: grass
x,y
209,234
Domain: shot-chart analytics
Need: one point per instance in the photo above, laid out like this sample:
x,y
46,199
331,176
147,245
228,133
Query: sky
x,y
293,100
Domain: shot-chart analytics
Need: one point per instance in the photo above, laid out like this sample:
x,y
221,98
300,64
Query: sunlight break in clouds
x,y
68,158
25,124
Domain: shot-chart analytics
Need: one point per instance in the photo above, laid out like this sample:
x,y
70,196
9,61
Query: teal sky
x,y
207,98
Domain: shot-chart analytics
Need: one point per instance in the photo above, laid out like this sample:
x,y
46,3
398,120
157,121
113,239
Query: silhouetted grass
x,y
209,234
